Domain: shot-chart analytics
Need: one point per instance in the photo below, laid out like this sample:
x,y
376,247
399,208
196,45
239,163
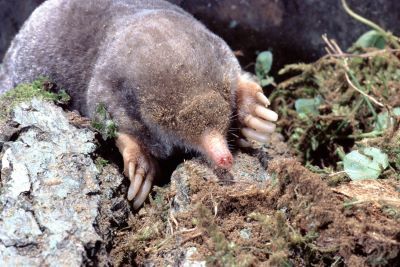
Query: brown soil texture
x,y
292,219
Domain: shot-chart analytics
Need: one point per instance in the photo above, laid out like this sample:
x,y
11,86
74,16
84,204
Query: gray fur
x,y
146,60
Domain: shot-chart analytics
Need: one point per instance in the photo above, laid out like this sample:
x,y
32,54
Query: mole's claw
x,y
256,120
143,192
251,134
266,113
131,169
259,125
136,182
263,99
131,174
243,143
137,165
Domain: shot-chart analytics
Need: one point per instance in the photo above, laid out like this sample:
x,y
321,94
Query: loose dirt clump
x,y
359,233
294,219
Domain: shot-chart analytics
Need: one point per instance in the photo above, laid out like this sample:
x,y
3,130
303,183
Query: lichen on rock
x,y
50,191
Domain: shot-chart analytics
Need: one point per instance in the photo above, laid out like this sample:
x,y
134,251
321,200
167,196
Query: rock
x,y
189,262
52,195
245,233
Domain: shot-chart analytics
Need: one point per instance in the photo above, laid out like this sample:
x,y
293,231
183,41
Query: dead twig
x,y
365,55
333,48
362,92
170,226
195,235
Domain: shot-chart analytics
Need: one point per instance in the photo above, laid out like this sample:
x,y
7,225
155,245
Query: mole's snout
x,y
225,162
216,148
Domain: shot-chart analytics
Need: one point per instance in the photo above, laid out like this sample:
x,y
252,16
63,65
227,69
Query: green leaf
x,y
383,121
269,80
308,105
263,64
371,39
365,164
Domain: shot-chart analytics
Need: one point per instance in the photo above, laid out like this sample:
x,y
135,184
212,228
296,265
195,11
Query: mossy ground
x,y
345,117
309,213
294,220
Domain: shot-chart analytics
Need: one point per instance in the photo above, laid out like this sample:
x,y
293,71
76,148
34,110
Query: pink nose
x,y
216,149
225,162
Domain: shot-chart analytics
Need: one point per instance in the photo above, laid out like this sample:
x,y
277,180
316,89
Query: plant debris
x,y
323,116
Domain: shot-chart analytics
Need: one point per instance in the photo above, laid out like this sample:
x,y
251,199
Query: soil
x,y
295,219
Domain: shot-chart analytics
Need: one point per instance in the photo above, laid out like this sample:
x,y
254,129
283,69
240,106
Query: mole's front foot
x,y
256,119
139,166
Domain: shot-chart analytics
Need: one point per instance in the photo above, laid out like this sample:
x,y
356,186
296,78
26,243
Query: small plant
x,y
367,163
101,163
263,67
103,122
377,37
323,116
338,103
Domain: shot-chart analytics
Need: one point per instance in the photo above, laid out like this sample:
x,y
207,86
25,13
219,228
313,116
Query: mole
x,y
167,81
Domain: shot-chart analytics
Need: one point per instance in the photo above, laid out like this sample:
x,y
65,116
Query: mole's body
x,y
166,80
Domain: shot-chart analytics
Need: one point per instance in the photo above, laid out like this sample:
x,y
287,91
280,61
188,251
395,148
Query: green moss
x,y
25,92
344,116
103,122
283,239
101,163
149,232
224,252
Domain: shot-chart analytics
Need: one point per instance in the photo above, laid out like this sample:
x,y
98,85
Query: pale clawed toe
x,y
257,121
139,167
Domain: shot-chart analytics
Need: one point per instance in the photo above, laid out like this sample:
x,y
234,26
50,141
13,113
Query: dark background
x,y
292,29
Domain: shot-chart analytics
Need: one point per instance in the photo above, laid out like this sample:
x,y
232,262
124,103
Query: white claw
x,y
135,185
251,134
131,173
265,113
130,194
263,99
243,143
143,193
131,170
260,125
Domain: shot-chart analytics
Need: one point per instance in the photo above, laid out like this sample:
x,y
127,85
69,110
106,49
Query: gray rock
x,y
245,233
51,199
189,262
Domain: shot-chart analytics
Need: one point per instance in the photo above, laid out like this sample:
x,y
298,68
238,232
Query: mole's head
x,y
183,77
203,123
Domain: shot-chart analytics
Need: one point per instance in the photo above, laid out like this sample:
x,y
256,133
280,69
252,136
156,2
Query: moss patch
x,y
41,88
103,122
